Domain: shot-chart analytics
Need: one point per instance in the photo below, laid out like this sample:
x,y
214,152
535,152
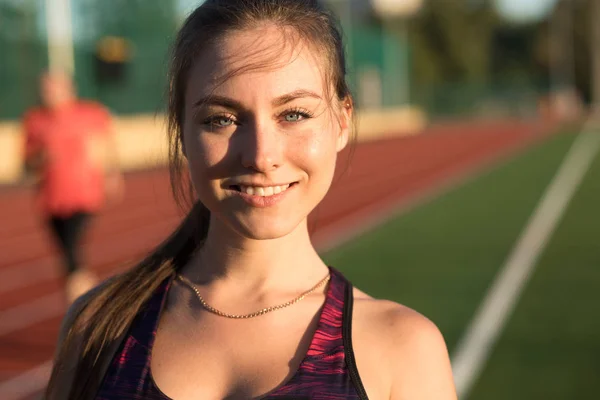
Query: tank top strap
x,y
129,374
146,323
329,368
328,338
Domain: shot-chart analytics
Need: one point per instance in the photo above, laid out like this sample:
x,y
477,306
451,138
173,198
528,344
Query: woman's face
x,y
262,144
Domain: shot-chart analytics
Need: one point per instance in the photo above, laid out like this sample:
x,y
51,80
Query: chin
x,y
265,228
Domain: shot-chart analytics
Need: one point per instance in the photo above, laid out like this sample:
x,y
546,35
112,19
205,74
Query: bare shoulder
x,y
410,350
392,322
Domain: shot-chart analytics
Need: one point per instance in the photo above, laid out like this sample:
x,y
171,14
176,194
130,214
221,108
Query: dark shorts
x,y
68,232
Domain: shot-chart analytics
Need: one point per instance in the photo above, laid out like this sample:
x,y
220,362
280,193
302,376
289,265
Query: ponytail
x,y
108,314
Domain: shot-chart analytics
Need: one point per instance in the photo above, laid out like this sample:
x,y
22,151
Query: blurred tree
x,y
515,55
452,41
466,57
595,56
573,54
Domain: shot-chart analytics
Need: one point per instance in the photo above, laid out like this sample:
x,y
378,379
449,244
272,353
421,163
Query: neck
x,y
256,263
60,105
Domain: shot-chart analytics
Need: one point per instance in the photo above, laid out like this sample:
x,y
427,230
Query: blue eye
x,y
296,115
293,117
224,121
220,121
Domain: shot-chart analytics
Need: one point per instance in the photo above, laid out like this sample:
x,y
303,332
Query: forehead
x,y
265,61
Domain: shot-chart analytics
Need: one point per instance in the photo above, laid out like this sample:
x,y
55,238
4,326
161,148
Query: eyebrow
x,y
219,101
297,94
234,104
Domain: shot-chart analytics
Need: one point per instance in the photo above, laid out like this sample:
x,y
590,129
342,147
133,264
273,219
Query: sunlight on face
x,y
261,143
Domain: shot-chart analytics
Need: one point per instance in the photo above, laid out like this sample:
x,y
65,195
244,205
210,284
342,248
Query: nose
x,y
262,150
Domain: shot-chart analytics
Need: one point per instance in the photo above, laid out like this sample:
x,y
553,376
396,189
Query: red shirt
x,y
71,180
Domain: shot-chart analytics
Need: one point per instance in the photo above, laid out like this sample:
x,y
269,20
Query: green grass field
x,y
441,257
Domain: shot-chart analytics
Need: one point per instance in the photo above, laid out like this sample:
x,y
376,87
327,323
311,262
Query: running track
x,y
380,175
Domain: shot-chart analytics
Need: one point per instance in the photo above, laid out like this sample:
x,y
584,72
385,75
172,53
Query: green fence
x,y
22,55
147,26
503,99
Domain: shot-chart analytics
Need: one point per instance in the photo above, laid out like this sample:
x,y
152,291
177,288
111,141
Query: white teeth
x,y
263,191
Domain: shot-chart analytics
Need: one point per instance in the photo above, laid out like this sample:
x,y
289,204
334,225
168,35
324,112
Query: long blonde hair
x,y
111,311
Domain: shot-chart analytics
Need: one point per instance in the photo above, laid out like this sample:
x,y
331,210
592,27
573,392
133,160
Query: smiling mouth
x,y
262,191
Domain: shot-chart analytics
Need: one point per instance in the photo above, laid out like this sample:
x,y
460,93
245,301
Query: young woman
x,y
237,304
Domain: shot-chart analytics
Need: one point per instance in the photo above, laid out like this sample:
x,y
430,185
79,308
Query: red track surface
x,y
380,174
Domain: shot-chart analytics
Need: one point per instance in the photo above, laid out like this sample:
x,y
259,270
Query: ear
x,y
345,124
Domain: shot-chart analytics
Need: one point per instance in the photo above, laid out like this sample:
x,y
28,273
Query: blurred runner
x,y
70,149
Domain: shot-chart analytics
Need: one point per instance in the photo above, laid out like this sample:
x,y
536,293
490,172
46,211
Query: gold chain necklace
x,y
213,310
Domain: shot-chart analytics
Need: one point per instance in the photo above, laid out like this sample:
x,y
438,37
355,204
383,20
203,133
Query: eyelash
x,y
211,121
302,112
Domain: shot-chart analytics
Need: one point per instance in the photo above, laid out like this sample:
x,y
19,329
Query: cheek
x,y
315,150
206,156
324,145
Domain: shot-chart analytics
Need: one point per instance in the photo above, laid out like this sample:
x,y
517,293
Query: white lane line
x,y
479,339
32,312
26,384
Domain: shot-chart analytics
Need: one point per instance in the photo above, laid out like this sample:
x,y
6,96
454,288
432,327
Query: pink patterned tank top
x,y
327,372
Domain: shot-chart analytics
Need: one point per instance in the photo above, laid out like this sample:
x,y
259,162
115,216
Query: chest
x,y
218,358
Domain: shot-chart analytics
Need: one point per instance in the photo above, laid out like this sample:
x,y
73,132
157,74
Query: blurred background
x,y
468,112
